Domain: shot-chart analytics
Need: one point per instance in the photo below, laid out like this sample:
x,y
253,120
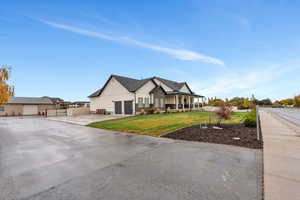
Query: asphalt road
x,y
291,115
43,159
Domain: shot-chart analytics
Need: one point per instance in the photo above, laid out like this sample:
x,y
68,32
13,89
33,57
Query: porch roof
x,y
184,93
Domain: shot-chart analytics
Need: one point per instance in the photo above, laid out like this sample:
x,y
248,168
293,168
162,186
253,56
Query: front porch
x,y
175,101
184,102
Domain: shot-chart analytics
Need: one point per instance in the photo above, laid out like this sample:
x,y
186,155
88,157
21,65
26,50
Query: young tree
x,y
246,104
254,100
5,90
224,112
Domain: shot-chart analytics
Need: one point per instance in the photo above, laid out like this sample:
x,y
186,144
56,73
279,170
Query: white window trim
x,y
140,103
147,102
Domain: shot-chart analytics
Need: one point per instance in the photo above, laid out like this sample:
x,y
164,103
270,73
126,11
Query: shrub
x,y
168,110
142,112
297,101
250,119
223,112
150,110
157,111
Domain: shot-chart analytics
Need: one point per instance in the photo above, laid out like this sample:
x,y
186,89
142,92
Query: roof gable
x,y
172,84
130,84
186,85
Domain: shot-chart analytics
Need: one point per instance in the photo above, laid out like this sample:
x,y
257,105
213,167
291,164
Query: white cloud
x,y
259,80
181,54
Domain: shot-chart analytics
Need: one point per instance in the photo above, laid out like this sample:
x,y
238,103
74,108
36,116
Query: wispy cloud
x,y
243,21
181,54
260,80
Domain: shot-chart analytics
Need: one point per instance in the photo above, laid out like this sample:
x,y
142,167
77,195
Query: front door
x,y
128,106
118,107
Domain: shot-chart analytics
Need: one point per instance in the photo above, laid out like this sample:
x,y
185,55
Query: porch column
x,y
193,102
176,102
198,102
189,102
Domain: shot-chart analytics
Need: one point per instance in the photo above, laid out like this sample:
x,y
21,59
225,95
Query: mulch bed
x,y
248,137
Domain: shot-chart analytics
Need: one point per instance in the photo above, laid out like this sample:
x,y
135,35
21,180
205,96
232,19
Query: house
x,y
78,104
123,95
26,106
58,102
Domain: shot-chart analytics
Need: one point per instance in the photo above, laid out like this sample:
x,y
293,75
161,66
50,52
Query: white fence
x,y
78,111
56,112
215,108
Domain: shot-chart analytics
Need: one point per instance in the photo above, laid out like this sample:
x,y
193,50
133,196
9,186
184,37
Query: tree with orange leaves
x,y
5,90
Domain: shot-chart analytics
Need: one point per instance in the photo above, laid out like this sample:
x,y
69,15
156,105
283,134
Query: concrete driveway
x,y
43,159
85,119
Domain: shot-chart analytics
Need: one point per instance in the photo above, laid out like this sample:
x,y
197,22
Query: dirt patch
x,y
231,134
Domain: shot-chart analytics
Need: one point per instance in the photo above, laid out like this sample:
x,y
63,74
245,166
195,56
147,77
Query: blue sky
x,y
222,48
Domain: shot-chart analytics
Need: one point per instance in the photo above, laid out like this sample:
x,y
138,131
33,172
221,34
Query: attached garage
x,y
118,107
128,107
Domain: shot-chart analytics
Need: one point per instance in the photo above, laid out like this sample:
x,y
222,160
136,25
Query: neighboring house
x,y
58,102
78,104
122,95
26,106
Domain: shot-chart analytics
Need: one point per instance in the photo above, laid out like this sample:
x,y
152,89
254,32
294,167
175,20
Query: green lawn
x,y
158,124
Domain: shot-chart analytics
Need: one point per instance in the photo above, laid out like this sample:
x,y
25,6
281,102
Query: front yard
x,y
159,124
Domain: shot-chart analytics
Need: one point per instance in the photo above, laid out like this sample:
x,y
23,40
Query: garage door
x,y
128,106
30,110
118,107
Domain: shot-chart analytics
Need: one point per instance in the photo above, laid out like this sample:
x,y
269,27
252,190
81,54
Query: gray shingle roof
x,y
97,93
133,85
29,100
129,83
172,84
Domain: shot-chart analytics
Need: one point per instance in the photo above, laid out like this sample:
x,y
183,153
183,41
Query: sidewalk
x,y
281,158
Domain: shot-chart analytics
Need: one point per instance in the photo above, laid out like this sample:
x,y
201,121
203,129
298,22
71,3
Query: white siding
x,y
170,100
144,91
185,89
113,91
166,88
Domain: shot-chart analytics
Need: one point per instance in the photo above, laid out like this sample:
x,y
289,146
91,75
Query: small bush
x,y
142,112
168,110
150,110
224,112
250,119
157,111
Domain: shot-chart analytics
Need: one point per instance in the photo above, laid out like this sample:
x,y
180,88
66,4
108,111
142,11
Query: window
x,y
140,102
162,104
156,103
1,109
146,102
